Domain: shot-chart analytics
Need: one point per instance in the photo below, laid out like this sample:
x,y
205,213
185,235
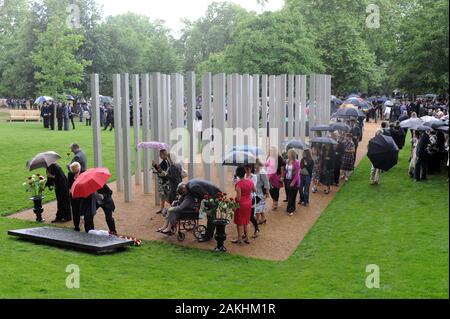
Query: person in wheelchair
x,y
187,206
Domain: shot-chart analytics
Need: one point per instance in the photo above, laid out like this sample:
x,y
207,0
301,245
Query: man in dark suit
x,y
45,114
199,188
105,201
60,116
51,115
109,118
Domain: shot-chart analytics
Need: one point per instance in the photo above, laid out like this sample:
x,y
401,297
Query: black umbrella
x,y
321,128
422,128
323,140
349,112
340,127
383,152
297,144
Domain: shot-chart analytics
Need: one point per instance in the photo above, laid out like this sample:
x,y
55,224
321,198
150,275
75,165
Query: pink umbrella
x,y
154,146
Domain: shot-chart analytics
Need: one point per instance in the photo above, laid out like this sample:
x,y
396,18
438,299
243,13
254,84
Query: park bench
x,y
24,115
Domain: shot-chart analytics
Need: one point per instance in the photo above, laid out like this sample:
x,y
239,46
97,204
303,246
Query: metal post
x,y
126,137
97,143
273,114
206,120
246,102
298,110
256,107
137,128
191,109
155,119
177,112
290,126
281,89
146,130
118,131
303,101
219,124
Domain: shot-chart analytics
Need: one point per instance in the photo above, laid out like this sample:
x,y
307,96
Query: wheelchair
x,y
190,222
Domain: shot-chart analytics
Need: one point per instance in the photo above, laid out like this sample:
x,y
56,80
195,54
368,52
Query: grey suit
x,y
81,158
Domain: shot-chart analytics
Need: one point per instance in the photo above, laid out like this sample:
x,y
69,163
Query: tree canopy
x,y
41,53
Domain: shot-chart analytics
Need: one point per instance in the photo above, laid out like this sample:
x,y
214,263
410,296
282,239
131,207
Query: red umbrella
x,y
89,182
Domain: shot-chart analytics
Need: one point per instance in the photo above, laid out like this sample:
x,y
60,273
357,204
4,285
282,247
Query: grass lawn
x,y
19,142
401,226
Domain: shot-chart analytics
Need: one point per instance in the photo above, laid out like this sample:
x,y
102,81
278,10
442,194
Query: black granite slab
x,y
68,238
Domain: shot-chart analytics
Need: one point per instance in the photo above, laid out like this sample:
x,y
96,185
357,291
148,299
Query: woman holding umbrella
x,y
329,159
162,171
57,179
348,159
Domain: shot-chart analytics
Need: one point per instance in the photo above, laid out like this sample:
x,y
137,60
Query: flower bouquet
x,y
219,207
35,185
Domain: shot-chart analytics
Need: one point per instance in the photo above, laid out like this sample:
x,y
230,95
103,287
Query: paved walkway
x,y
278,239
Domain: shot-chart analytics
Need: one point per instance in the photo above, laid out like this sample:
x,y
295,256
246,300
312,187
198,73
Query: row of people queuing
x,y
80,211
325,165
420,107
429,150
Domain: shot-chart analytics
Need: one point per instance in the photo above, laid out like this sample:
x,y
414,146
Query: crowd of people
x,y
318,169
324,165
66,114
396,111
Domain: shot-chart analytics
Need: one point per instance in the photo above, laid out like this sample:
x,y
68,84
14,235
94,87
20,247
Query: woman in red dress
x,y
244,189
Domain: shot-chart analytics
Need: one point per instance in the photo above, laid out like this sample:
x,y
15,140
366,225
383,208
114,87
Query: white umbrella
x,y
412,123
428,118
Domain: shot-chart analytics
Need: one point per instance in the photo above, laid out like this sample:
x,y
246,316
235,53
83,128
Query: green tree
x,y
421,62
58,69
16,42
131,43
209,34
270,43
339,27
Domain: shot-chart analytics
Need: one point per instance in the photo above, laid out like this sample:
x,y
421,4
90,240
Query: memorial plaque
x,y
71,239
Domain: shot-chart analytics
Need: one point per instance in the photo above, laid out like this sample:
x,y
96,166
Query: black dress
x,y
75,203
60,183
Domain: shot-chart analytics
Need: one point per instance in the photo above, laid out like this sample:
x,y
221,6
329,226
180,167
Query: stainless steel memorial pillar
x,y
136,127
146,130
126,137
97,143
